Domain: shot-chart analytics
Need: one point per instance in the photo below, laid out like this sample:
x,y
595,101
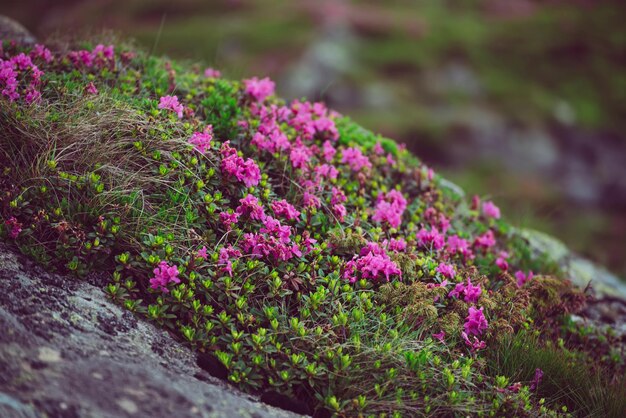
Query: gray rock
x,y
66,351
579,270
12,30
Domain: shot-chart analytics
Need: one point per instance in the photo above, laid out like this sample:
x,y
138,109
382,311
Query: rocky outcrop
x,y
67,351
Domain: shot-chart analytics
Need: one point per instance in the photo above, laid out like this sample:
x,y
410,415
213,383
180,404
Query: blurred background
x,y
522,101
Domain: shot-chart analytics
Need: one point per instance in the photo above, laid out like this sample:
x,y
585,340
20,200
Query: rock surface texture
x,y
66,351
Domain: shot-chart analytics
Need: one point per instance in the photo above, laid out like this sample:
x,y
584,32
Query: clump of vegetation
x,y
306,256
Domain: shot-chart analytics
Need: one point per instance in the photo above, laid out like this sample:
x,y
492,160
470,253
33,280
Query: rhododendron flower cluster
x,y
246,171
523,278
475,323
446,270
490,210
212,73
501,261
164,274
390,208
373,264
100,57
19,76
285,209
486,240
431,238
202,140
226,253
13,226
355,159
470,292
250,206
259,89
457,245
171,103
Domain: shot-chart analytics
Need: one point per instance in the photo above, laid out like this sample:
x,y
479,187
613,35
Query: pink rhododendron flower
x,y
501,261
164,274
41,52
490,210
475,323
472,293
171,103
486,240
373,265
228,219
338,196
378,149
245,171
226,253
440,336
432,238
446,270
259,89
457,245
339,211
390,208
536,379
300,155
250,206
309,200
269,247
456,292
14,227
273,227
285,209
201,141
397,245
325,171
202,253
328,151
355,159
474,346
212,73
91,88
523,278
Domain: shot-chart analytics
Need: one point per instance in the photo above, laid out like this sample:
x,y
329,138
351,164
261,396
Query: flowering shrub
x,y
307,255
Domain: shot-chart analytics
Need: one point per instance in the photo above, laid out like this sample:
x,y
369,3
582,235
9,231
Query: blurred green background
x,y
522,101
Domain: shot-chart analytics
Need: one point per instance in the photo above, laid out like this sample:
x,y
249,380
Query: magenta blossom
x,y
475,323
371,266
212,73
259,89
486,240
285,209
440,336
14,227
171,103
501,261
201,141
523,278
91,88
228,219
246,171
490,210
472,293
474,346
202,253
431,238
536,379
355,159
251,206
446,270
390,208
163,275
